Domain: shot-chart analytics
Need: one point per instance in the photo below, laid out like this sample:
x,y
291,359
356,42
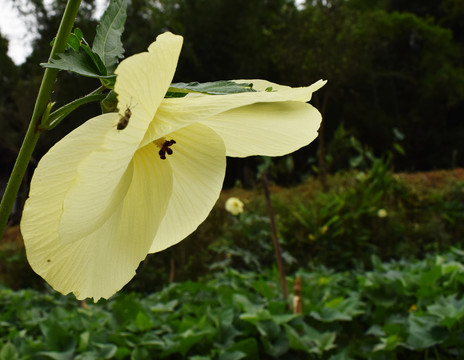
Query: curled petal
x,y
198,165
100,263
143,80
176,113
141,85
270,129
305,93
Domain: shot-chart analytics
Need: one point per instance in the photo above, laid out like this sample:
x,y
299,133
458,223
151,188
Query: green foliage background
x,y
390,64
396,85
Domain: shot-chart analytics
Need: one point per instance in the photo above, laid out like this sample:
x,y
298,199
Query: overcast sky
x,y
13,27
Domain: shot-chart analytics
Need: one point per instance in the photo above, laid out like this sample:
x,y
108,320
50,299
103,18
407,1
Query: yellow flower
x,y
108,193
234,206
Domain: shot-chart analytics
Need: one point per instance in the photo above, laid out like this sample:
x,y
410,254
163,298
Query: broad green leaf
x,y
74,42
164,307
342,355
265,288
56,355
78,33
425,332
326,341
284,318
8,352
96,59
140,354
388,344
449,310
257,315
184,341
77,62
107,43
110,103
232,355
143,322
275,347
268,329
339,309
298,342
248,346
211,88
83,341
56,337
428,282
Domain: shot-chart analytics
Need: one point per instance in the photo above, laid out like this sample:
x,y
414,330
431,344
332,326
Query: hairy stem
x,y
33,131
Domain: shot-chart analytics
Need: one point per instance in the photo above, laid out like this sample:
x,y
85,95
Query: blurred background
x,y
370,216
394,69
393,103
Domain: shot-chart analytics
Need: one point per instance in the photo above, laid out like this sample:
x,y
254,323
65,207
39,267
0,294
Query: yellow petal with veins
x,y
271,129
100,263
198,165
141,84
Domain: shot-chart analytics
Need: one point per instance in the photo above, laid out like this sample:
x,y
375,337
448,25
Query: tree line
x,y
394,69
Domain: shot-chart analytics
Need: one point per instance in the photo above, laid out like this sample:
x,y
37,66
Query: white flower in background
x,y
234,206
106,195
382,213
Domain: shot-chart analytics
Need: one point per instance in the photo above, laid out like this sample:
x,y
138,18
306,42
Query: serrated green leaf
x,y
107,43
74,42
95,58
78,33
212,88
77,62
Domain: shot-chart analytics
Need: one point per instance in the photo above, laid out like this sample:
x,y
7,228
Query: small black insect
x,y
124,120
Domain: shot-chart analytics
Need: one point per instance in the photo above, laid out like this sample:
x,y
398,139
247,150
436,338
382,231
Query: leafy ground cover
x,y
398,310
377,212
369,289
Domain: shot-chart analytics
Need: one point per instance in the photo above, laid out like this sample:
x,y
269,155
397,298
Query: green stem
x,y
33,132
55,117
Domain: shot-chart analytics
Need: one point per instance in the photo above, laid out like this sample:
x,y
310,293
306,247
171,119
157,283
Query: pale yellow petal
x,y
175,113
101,175
198,164
143,80
263,85
271,129
100,263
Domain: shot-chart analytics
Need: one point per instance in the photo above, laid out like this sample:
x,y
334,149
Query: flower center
x,y
165,147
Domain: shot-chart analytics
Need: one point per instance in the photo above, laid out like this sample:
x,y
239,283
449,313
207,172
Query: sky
x,y
13,27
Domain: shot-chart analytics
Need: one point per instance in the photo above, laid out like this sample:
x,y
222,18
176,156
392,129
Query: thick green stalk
x,y
33,132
